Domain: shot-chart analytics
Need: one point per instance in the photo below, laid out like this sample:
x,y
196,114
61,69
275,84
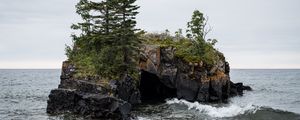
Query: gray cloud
x,y
251,33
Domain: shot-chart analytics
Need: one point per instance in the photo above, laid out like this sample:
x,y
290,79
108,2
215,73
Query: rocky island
x,y
112,67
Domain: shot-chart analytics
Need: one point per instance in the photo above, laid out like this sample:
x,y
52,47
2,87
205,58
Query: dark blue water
x,y
276,96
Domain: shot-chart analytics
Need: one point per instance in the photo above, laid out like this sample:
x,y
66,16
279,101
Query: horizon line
x,y
230,68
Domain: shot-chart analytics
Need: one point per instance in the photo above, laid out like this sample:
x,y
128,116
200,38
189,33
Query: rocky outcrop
x,y
164,75
127,92
91,99
86,104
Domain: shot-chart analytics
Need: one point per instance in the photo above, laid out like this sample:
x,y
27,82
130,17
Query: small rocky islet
x,y
113,67
163,75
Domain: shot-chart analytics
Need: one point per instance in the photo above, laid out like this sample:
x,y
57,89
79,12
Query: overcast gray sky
x,y
251,33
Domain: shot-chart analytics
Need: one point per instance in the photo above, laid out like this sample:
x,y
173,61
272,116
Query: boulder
x,y
238,88
60,100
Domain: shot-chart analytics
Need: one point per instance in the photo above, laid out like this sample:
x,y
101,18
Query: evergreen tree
x,y
128,40
107,45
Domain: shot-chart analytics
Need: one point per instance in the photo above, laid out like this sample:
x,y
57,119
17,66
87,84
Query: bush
x,y
186,48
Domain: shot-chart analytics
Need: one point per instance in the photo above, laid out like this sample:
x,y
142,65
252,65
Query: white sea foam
x,y
218,112
142,118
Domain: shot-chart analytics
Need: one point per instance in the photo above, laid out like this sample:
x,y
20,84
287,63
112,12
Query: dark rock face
x,y
152,90
163,75
91,105
90,99
127,91
163,72
238,88
186,89
60,100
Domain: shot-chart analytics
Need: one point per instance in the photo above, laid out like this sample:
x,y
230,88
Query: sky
x,y
251,33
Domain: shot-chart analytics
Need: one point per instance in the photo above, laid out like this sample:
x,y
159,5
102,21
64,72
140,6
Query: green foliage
x,y
196,27
185,48
193,47
108,43
196,32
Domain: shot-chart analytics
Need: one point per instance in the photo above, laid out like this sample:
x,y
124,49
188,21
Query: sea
x,y
275,96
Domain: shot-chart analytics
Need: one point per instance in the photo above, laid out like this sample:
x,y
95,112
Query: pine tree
x,y
108,44
129,42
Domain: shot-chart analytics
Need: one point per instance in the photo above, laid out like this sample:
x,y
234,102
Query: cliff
x,y
163,75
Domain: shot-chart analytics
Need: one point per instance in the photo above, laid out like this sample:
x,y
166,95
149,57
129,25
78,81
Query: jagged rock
x,y
127,91
186,88
90,99
87,104
203,93
61,100
82,85
125,110
165,72
238,88
163,75
247,88
67,70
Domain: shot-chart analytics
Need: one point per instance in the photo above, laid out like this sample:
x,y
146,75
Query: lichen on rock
x,y
191,81
90,99
163,75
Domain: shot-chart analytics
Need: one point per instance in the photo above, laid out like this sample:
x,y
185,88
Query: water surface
x,y
275,96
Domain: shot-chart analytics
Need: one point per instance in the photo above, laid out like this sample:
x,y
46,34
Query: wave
x,y
218,112
235,110
143,118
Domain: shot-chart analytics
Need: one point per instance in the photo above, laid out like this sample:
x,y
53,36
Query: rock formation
x,y
91,99
163,75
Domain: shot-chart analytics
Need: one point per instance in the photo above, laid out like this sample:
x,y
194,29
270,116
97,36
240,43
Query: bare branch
x,y
205,29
